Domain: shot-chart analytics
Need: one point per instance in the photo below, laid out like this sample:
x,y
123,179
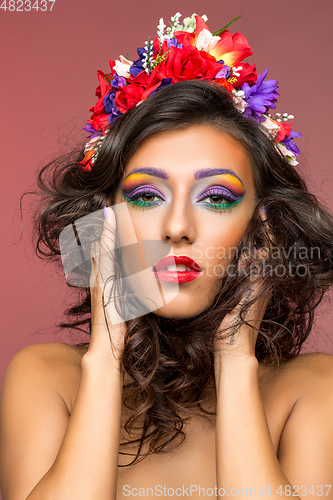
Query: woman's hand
x,y
243,338
107,327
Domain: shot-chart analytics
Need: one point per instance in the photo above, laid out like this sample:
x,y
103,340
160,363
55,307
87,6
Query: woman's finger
x,y
106,265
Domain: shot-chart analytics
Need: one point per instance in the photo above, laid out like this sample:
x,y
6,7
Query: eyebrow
x,y
198,174
149,171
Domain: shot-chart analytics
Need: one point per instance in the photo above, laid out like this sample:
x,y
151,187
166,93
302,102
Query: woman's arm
x,y
47,454
87,463
244,448
81,462
245,454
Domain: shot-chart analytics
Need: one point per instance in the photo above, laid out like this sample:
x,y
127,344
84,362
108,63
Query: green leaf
x,y
225,27
127,56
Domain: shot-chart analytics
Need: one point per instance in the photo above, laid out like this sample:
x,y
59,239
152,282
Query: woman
x,y
195,386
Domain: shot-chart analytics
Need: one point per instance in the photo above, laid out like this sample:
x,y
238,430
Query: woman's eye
x,y
219,198
143,198
148,196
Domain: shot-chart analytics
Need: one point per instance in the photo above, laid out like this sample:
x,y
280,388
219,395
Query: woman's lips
x,y
174,275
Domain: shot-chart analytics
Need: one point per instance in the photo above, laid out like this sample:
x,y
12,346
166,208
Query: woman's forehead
x,y
192,151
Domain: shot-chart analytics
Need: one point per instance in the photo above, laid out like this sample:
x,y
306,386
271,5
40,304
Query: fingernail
x,y
105,213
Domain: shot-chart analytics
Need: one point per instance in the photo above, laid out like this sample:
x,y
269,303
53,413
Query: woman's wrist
x,y
234,365
96,359
233,358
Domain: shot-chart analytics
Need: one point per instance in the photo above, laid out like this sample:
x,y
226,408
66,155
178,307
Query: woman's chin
x,y
183,310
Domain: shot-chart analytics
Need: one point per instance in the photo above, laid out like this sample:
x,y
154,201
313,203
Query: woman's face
x,y
192,188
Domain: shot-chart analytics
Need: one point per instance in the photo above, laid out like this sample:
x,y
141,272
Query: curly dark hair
x,y
171,362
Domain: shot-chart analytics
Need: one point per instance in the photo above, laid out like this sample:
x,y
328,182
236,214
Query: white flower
x,y
270,127
235,70
189,24
160,30
92,143
206,41
239,102
174,21
288,154
122,66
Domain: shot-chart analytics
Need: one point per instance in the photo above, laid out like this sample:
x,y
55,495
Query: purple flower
x,y
289,144
224,72
260,97
118,81
137,67
110,107
89,128
164,83
174,43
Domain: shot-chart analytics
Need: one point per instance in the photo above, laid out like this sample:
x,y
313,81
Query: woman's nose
x,y
178,223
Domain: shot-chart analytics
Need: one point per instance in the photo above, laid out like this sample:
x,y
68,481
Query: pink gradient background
x,y
49,62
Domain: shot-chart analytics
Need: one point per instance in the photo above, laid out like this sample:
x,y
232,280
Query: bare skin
x,y
280,389
70,398
193,462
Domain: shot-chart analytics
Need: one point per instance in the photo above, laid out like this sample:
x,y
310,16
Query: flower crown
x,y
188,52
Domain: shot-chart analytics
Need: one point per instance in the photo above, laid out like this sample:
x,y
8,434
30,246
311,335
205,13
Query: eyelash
x,y
221,207
136,203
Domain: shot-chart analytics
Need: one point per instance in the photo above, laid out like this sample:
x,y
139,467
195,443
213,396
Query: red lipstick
x,y
174,275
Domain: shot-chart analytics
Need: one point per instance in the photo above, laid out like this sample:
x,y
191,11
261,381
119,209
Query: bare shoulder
x,y
311,366
302,368
54,357
54,352
57,362
304,375
36,395
306,443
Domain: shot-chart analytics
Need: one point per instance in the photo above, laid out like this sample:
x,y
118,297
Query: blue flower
x,y
260,97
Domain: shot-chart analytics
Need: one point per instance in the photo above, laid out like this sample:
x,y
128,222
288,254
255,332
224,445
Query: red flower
x,y
86,164
200,25
130,95
185,38
247,74
103,88
285,129
231,48
186,64
224,83
99,120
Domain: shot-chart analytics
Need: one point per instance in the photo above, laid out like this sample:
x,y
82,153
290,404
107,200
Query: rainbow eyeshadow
x,y
228,188
137,185
134,180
